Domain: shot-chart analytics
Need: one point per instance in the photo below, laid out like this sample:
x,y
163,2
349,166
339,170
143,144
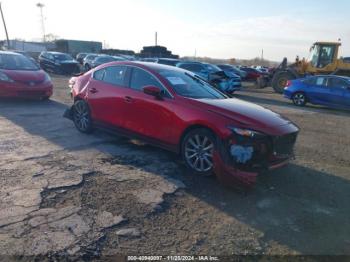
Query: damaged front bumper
x,y
239,159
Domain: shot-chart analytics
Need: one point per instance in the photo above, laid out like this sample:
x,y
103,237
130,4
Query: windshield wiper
x,y
195,78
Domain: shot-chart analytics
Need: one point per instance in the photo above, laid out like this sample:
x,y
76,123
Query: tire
x,y
87,67
299,99
197,150
82,117
279,81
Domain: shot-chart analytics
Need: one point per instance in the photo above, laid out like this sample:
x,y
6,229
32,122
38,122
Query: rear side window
x,y
99,74
310,81
115,75
320,81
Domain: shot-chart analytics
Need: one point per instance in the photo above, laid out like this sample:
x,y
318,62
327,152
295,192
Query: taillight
x,y
289,83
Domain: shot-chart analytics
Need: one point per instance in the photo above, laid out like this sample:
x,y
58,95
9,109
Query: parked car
x,y
102,59
60,63
253,74
87,62
127,57
214,75
20,77
179,111
80,57
328,90
168,61
233,69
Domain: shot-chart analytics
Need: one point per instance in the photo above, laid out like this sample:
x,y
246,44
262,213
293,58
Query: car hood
x,y
246,114
25,75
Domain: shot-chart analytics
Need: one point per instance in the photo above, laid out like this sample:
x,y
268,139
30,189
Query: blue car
x,y
328,90
227,83
233,69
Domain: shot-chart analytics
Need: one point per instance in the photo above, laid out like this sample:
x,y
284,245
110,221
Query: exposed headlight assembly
x,y
246,132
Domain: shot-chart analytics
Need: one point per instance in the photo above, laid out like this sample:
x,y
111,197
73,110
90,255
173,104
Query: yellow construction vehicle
x,y
323,60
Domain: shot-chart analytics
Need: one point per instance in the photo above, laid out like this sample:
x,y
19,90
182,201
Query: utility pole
x,y
156,38
40,5
3,21
262,54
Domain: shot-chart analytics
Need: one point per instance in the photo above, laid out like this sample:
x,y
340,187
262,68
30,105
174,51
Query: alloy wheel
x,y
199,152
81,116
299,99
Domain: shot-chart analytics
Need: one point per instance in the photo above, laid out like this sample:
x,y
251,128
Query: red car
x,y
177,110
20,77
253,74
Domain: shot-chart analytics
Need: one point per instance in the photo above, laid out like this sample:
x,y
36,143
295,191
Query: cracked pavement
x,y
42,152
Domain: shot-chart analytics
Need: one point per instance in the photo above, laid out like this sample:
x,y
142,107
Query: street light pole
x,y
40,5
3,21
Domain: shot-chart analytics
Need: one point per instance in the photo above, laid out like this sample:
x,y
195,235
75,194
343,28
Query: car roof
x,y
148,65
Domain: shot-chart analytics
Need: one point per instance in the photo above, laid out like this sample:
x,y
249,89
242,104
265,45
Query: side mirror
x,y
152,91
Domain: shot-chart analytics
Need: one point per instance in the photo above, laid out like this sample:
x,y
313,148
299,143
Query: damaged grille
x,y
283,145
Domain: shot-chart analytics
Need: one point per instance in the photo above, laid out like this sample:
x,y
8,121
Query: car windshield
x,y
190,85
16,62
62,57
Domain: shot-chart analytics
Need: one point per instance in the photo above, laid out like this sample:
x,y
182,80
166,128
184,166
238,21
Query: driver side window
x,y
140,78
338,83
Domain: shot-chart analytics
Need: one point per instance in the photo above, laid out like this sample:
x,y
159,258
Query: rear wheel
x,y
299,99
197,151
81,116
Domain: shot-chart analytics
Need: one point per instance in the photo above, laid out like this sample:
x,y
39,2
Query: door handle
x,y
128,99
93,90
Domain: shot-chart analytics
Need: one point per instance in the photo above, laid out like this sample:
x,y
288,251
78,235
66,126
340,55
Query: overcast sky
x,y
219,29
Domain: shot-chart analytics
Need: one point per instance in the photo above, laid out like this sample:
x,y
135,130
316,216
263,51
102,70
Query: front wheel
x,y
197,151
82,117
299,99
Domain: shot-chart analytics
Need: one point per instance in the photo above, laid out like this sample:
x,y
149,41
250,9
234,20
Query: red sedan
x,y
176,110
20,77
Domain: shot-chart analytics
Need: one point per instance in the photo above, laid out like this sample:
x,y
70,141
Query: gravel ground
x,y
90,196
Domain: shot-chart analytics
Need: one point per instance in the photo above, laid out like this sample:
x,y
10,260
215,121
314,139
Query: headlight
x,y
246,132
5,78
